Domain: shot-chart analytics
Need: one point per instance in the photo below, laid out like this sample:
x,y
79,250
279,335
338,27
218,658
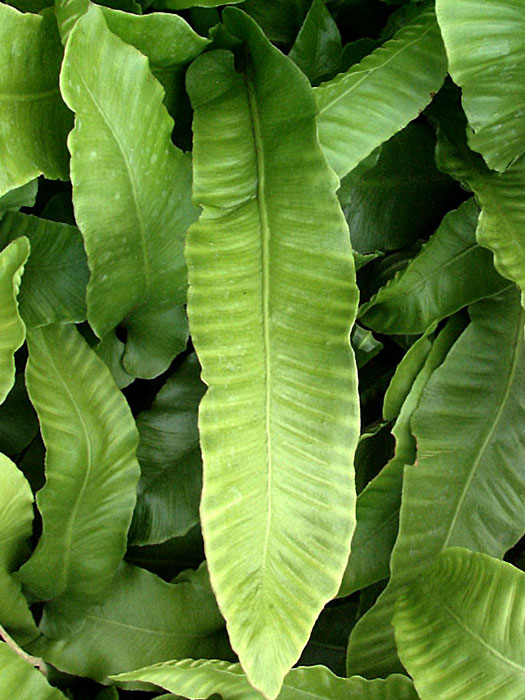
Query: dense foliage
x,y
262,365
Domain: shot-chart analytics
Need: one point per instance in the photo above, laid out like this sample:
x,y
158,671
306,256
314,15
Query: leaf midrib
x,y
265,301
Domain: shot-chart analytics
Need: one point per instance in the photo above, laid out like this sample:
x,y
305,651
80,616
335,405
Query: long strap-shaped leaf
x,y
33,119
272,298
18,679
122,155
459,630
91,468
200,679
12,328
468,484
485,44
362,108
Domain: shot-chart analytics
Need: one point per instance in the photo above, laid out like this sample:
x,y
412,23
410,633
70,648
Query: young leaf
x,y
470,428
121,152
459,629
170,460
91,469
12,328
450,272
16,525
199,680
34,121
486,50
271,301
317,49
143,619
404,72
18,679
46,298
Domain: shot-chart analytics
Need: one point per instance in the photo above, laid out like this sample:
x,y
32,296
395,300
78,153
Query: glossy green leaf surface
x,y
12,328
143,619
450,272
317,48
169,489
16,525
376,98
18,679
91,468
33,119
278,424
474,447
486,52
49,298
401,197
474,605
200,679
147,189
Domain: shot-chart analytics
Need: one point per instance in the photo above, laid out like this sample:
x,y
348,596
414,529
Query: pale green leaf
x,y
56,273
376,98
272,297
12,328
450,272
200,679
485,45
122,154
111,350
91,469
18,679
16,526
470,428
459,629
23,196
34,121
169,489
143,619
177,5
378,504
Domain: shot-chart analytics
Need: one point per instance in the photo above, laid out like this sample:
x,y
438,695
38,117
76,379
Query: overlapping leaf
x,y
122,154
170,460
12,328
270,261
467,488
18,679
56,273
485,45
91,468
143,619
373,100
459,629
16,524
200,679
450,272
34,121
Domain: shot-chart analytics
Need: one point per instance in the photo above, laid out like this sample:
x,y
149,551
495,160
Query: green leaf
x,y
458,629
177,5
111,350
201,679
12,328
16,526
143,619
401,198
18,421
281,20
91,469
378,504
170,460
46,298
268,261
365,346
470,428
147,190
486,52
34,121
401,75
317,48
450,272
18,679
23,196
